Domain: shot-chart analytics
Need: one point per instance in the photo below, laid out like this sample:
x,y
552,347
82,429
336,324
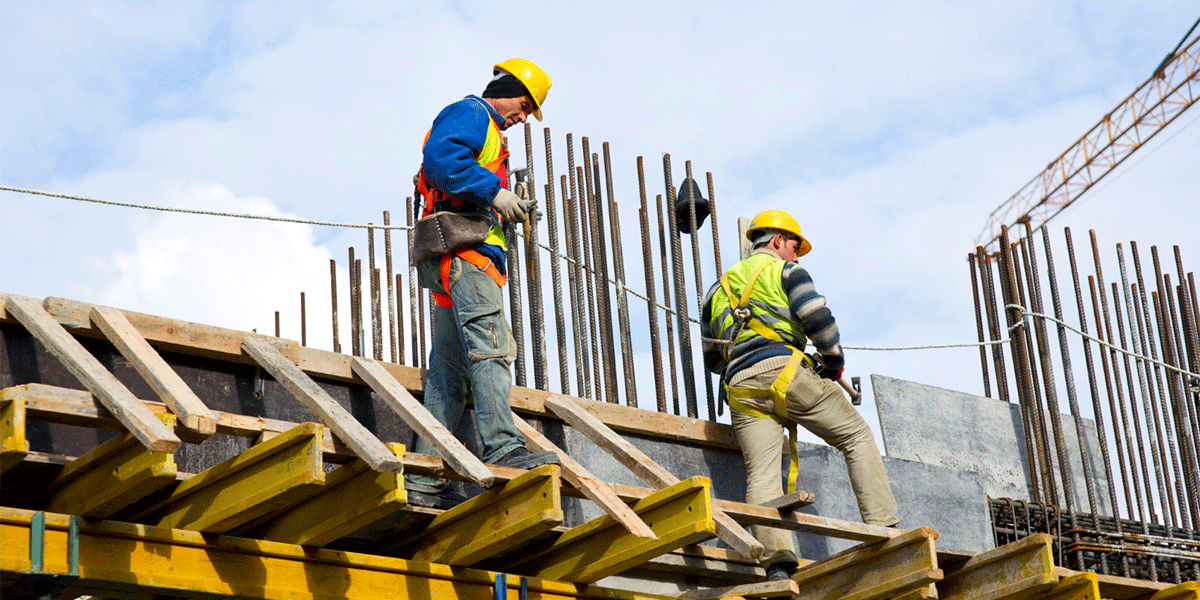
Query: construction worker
x,y
463,182
756,322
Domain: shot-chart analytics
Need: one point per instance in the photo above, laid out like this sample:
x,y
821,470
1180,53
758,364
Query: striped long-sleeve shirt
x,y
807,312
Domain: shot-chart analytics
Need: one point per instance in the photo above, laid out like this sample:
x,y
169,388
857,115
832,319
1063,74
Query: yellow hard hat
x,y
781,221
535,79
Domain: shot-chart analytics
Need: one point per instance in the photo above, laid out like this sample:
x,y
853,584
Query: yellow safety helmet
x,y
535,79
780,221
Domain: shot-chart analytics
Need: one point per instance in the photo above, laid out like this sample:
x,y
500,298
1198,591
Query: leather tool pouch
x,y
445,232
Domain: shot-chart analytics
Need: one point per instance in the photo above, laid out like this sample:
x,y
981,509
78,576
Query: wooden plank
x,y
113,476
422,421
643,466
763,589
1017,570
792,501
344,425
13,444
708,562
1188,590
128,558
165,382
493,522
596,490
873,571
261,481
1081,586
1115,587
353,497
679,515
115,397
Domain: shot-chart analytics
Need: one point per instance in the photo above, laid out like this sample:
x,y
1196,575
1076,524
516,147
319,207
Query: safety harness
x,y
743,315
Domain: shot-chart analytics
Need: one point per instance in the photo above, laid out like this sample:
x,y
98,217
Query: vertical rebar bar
x,y
662,247
353,306
622,299
400,320
651,308
413,292
1169,399
516,311
1119,420
560,325
387,251
376,316
1172,357
699,281
585,219
712,210
987,389
303,322
600,248
533,272
358,303
1016,328
993,318
582,280
333,312
1147,512
1037,412
681,310
575,291
276,323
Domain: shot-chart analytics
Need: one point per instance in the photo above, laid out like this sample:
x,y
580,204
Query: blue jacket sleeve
x,y
457,136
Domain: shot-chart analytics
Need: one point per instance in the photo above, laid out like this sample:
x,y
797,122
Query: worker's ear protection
x,y
683,216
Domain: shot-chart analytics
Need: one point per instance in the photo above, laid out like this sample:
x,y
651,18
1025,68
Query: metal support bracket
x,y
41,584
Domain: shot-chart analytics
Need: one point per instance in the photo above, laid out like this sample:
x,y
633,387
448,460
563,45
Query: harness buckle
x,y
742,314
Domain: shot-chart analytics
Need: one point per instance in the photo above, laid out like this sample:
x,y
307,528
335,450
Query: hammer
x,y
853,389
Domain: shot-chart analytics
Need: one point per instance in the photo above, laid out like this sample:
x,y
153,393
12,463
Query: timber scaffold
x,y
144,457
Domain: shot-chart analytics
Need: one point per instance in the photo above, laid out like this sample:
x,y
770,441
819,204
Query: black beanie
x,y
504,85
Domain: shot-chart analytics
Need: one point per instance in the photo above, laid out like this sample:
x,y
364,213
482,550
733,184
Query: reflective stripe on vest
x,y
473,257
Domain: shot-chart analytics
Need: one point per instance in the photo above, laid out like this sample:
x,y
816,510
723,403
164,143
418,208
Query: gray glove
x,y
511,207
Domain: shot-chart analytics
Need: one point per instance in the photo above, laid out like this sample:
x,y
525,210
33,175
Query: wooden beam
x,y
353,497
1188,590
886,569
679,515
1114,587
792,501
422,421
750,514
13,444
165,382
1012,571
643,466
113,476
139,421
261,481
496,521
1081,586
125,558
344,425
577,475
782,588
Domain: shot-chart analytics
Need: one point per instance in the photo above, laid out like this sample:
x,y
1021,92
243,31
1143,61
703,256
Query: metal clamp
x,y
39,583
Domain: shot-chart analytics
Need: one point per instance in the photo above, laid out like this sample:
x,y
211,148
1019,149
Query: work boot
x,y
781,571
522,458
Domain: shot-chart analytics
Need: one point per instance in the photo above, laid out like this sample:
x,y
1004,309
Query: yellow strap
x,y
744,301
777,391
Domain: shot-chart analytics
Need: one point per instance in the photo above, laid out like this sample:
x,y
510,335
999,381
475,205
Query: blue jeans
x,y
472,350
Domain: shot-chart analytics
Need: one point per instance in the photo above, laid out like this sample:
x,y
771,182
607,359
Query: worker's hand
x,y
832,367
511,207
532,208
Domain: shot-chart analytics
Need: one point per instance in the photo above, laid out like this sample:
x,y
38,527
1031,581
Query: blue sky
x,y
891,130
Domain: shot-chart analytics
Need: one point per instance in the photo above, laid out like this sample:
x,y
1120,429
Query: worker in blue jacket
x,y
464,170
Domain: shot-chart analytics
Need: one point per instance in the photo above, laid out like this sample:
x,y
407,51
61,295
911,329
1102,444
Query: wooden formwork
x,y
318,509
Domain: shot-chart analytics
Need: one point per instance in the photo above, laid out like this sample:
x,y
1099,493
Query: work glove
x,y
828,367
510,205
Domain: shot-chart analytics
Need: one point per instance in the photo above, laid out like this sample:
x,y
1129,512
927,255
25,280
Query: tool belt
x,y
442,233
777,391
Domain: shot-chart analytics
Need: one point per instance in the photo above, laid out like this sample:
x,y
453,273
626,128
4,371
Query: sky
x,y
889,129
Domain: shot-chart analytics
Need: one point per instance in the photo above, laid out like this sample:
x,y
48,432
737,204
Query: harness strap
x,y
484,263
746,318
777,391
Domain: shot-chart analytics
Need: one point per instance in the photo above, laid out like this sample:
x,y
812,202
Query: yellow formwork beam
x,y
1081,586
266,479
1018,570
679,515
353,496
13,444
1185,591
113,476
887,569
497,520
120,559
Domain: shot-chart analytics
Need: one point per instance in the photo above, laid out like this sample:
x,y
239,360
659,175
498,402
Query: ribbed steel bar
x,y
584,339
413,292
1008,276
387,252
1037,412
354,306
586,256
681,310
1171,399
1157,420
600,247
1194,384
596,286
712,209
651,309
987,384
1116,385
1172,356
666,267
516,310
560,324
574,291
1069,377
1119,421
622,300
993,318
373,281
1097,410
533,273
699,281
303,322
1139,438
399,299
1044,353
333,309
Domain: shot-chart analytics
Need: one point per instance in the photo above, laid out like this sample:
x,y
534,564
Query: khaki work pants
x,y
818,405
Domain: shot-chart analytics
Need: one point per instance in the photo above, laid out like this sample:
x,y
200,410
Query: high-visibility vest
x,y
493,157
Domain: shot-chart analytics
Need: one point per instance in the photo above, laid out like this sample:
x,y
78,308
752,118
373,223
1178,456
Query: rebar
x,y
1118,418
575,290
354,307
373,275
533,272
662,246
276,323
987,389
1171,344
582,288
651,308
414,297
585,228
622,301
333,312
514,302
699,280
712,210
387,251
560,325
1020,363
400,321
1171,398
600,264
1147,512
681,310
303,322
993,318
1036,411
